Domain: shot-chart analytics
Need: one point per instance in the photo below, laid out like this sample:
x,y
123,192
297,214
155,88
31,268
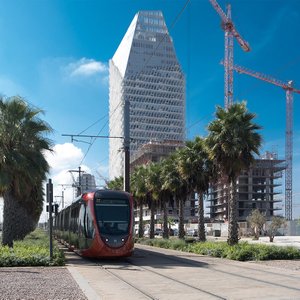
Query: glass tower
x,y
145,72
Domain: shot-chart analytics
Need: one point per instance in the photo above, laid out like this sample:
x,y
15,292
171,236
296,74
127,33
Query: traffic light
x,y
54,208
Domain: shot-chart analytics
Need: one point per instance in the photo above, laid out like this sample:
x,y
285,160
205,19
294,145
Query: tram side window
x,y
81,219
89,228
74,219
66,219
60,221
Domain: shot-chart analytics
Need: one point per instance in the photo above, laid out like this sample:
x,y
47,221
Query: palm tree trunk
x,y
152,213
9,219
17,223
201,227
141,225
181,219
165,216
233,234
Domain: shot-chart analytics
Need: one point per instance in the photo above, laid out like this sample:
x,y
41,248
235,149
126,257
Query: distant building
x,y
145,72
154,151
87,182
258,188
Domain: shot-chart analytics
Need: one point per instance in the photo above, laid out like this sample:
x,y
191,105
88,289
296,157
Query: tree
x,y
23,166
165,194
116,184
177,185
196,168
232,141
153,185
139,190
256,221
272,228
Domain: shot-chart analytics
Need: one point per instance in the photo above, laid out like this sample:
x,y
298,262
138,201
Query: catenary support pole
x,y
126,147
50,209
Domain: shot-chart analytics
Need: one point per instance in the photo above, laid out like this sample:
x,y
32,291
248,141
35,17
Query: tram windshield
x,y
113,216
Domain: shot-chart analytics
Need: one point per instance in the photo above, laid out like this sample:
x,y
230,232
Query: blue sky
x,y
55,54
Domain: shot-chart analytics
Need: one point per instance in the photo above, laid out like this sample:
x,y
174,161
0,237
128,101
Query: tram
x,y
98,223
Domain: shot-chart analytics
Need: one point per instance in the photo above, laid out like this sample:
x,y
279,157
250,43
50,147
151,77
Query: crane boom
x,y
288,87
267,78
219,10
230,32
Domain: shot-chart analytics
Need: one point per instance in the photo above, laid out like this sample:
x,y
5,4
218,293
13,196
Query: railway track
x,y
153,273
148,272
171,281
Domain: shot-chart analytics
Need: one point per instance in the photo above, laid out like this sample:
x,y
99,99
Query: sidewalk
x,y
278,240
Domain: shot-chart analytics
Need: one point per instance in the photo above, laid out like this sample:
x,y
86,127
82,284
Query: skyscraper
x,y
145,72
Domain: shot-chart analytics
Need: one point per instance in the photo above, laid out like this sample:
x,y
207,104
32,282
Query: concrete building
x,y
145,72
87,182
154,151
258,188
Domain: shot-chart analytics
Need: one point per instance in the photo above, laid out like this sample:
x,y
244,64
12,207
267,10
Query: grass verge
x,y
32,251
243,251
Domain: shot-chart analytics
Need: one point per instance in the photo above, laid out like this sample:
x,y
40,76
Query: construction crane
x,y
289,89
230,32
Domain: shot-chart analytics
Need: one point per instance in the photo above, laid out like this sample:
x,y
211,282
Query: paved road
x,y
153,273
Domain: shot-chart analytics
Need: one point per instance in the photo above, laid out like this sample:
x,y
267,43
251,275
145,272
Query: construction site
x,y
261,186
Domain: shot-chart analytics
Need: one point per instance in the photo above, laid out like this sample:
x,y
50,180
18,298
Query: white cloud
x,y
85,67
64,156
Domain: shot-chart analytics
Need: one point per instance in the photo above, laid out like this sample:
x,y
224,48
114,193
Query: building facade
x,y
87,182
257,188
145,73
153,151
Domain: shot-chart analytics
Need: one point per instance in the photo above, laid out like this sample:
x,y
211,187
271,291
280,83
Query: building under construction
x,y
154,151
257,188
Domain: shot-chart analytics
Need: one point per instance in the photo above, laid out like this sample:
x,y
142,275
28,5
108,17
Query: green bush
x,y
243,251
215,249
32,251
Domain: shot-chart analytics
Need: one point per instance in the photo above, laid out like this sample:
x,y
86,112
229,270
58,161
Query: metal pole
x,y
79,182
50,200
126,147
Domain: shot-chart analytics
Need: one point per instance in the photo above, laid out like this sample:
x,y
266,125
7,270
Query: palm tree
x,y
116,183
23,166
196,168
233,140
153,184
179,187
139,190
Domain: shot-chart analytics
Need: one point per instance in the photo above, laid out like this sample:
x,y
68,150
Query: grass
x,y
32,251
243,251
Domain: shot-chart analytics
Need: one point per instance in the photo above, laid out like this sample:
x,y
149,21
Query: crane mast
x,y
230,32
288,87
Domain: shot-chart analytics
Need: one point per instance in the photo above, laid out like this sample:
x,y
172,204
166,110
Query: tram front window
x,y
113,216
